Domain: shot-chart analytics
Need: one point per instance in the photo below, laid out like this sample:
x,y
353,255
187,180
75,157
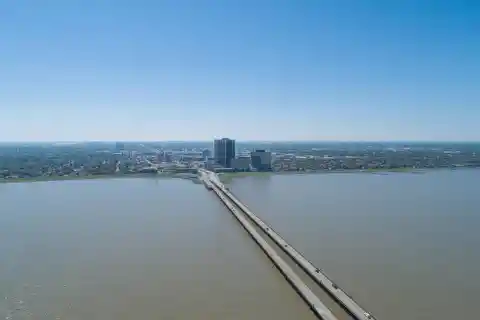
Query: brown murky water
x,y
132,249
405,246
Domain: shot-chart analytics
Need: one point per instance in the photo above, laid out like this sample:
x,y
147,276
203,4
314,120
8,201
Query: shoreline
x,y
94,177
227,177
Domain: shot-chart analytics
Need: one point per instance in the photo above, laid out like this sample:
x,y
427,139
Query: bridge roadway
x,y
315,273
318,308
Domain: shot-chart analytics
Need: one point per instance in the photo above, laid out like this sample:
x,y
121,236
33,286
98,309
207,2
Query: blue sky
x,y
250,70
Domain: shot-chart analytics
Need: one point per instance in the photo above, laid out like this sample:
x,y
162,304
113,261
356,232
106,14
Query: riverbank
x,y
101,176
227,177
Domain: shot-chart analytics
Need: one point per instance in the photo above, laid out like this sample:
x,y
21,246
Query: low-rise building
x,y
261,160
241,163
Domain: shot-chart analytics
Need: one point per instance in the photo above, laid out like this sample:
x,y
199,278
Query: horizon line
x,y
238,140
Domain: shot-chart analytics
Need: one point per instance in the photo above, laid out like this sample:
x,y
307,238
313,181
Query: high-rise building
x,y
120,146
224,152
261,160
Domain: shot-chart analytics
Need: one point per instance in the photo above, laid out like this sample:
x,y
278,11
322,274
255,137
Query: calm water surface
x,y
132,249
405,246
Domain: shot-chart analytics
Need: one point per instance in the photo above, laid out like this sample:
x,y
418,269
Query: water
x,y
405,246
132,248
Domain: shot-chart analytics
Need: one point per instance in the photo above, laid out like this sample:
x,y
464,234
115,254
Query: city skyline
x,y
269,71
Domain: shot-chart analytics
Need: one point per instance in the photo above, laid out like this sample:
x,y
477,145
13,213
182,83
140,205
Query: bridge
x,y
251,223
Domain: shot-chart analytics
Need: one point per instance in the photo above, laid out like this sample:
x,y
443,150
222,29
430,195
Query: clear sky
x,y
251,70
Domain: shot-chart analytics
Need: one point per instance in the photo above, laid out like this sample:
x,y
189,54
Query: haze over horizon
x,y
269,70
67,142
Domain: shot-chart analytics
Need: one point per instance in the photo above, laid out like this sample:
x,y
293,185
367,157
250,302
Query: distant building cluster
x,y
226,158
96,158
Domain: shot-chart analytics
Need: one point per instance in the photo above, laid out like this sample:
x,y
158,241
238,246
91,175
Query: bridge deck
x,y
317,306
347,302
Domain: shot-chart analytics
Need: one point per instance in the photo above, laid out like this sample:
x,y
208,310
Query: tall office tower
x,y
224,151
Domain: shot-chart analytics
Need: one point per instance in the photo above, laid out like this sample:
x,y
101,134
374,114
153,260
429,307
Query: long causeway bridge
x,y
278,251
